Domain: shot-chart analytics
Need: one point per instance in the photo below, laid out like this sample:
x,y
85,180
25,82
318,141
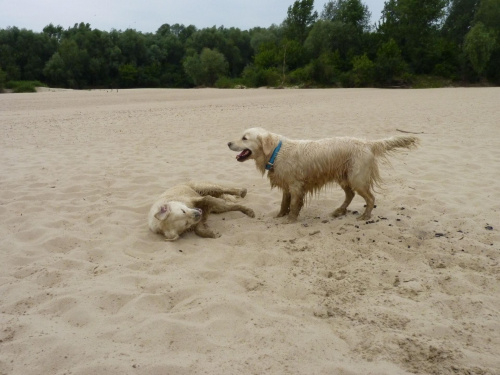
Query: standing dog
x,y
186,207
300,167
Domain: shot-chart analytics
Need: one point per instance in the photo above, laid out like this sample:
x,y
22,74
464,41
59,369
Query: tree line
x,y
448,40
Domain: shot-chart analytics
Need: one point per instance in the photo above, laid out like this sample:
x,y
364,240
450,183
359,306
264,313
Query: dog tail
x,y
384,146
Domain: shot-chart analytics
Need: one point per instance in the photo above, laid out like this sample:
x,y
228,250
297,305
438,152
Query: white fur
x,y
304,167
185,207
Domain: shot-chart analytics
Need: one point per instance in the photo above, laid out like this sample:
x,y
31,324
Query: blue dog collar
x,y
270,163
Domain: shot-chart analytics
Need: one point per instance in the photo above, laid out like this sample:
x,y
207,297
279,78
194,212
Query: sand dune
x,y
85,288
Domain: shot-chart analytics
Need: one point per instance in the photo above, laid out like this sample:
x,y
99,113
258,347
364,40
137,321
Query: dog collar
x,y
270,163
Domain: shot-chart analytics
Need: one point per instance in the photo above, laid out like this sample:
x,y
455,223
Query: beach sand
x,y
86,288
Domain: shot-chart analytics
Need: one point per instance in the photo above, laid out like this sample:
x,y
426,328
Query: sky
x,y
148,15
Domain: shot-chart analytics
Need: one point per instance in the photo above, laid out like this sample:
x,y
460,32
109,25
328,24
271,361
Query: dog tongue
x,y
242,154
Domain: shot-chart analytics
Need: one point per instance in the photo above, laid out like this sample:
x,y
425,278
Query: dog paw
x,y
243,193
339,212
250,213
363,217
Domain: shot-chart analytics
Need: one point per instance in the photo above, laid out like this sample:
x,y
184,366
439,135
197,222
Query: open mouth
x,y
197,214
244,155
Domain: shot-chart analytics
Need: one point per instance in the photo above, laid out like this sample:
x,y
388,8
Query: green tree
x,y
489,14
478,46
214,65
55,71
459,19
414,25
204,69
389,64
363,71
128,75
300,19
3,76
75,62
349,12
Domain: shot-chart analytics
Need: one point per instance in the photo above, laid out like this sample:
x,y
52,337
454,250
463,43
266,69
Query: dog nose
x,y
198,212
229,144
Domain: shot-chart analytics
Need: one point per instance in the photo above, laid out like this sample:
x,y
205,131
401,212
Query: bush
x,y
24,86
389,64
259,77
429,82
300,76
363,71
346,80
3,76
228,83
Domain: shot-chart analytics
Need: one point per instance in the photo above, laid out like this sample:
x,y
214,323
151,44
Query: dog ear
x,y
267,142
163,212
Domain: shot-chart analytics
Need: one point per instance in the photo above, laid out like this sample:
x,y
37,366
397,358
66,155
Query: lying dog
x,y
186,207
300,167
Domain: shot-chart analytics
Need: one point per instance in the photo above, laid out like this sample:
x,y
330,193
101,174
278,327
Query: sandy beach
x,y
86,288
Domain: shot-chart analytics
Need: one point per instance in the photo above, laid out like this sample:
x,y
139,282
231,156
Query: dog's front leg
x,y
296,203
202,230
285,204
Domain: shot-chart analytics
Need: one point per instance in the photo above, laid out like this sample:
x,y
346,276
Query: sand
x,y
86,288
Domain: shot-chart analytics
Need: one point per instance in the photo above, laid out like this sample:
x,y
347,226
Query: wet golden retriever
x,y
186,207
299,167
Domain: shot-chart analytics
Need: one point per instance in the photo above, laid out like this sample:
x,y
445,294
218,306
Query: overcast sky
x,y
149,15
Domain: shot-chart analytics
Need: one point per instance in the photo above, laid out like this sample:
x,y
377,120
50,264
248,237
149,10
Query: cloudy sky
x,y
149,15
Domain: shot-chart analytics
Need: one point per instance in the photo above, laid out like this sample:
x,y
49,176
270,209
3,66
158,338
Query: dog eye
x,y
183,211
244,138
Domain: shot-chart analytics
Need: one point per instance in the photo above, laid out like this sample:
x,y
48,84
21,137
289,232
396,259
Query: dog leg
x,y
202,230
349,195
218,205
285,204
296,203
370,203
217,191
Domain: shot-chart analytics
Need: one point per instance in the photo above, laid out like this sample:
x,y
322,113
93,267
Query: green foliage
x,y
3,77
459,20
414,25
349,12
488,14
413,38
254,76
363,71
301,77
327,68
128,75
55,70
229,83
24,86
478,46
205,68
389,64
429,82
300,18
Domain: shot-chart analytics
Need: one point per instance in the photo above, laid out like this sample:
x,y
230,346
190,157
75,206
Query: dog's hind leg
x,y
218,205
370,203
205,189
349,195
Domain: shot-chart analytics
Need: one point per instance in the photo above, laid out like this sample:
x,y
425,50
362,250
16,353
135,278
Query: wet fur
x,y
186,207
304,167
